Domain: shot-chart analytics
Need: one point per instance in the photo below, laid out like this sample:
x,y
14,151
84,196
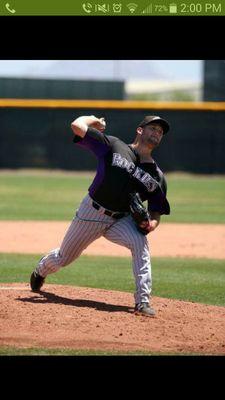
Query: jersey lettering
x,y
149,182
138,173
119,161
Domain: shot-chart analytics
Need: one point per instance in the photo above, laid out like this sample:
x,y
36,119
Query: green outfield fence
x,y
36,132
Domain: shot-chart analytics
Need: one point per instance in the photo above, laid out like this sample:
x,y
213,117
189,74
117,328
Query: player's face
x,y
152,134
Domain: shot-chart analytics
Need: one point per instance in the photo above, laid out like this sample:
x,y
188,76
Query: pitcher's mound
x,y
97,319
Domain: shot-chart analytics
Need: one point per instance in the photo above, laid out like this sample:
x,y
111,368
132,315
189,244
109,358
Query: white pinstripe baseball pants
x,y
88,225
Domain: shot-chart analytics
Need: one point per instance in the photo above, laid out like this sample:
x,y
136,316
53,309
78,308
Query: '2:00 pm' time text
x,y
199,8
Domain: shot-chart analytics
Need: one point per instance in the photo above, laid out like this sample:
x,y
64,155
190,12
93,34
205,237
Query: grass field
x,y
52,195
55,196
12,351
197,280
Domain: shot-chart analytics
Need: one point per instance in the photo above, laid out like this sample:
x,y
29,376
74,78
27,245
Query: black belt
x,y
112,214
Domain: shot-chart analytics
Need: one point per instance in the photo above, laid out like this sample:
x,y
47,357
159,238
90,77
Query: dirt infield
x,y
96,319
172,240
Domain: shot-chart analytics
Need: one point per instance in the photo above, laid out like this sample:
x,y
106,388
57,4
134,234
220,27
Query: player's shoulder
x,y
116,142
114,139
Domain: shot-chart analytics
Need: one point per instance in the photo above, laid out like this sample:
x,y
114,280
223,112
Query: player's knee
x,y
138,241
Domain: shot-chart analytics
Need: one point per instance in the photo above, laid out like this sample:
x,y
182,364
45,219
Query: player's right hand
x,y
99,124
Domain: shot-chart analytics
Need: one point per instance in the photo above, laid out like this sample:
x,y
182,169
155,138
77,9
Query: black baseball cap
x,y
154,118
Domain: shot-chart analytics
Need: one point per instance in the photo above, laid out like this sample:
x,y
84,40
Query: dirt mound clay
x,y
96,319
168,240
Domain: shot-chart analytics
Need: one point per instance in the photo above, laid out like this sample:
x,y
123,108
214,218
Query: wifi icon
x,y
132,7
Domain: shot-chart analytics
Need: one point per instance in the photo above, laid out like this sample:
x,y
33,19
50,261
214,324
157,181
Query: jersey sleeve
x,y
163,185
158,202
95,141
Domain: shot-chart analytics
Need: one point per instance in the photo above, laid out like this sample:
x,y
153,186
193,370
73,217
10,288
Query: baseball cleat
x,y
36,281
144,309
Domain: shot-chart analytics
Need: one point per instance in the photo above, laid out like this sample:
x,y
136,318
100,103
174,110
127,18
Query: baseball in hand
x,y
100,124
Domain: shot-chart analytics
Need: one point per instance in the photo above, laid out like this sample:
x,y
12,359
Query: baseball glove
x,y
139,214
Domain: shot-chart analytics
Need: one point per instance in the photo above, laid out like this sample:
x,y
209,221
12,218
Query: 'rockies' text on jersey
x,y
120,173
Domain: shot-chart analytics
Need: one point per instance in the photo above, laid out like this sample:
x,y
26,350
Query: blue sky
x,y
172,70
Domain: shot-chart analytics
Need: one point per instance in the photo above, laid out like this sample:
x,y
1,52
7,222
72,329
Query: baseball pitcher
x,y
126,176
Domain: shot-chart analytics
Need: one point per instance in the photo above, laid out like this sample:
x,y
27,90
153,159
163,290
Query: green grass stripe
x,y
67,352
44,197
55,196
197,280
196,198
15,351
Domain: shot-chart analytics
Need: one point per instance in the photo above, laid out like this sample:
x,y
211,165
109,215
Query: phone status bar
x,y
111,8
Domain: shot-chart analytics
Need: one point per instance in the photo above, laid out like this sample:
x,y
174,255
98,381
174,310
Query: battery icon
x,y
173,8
